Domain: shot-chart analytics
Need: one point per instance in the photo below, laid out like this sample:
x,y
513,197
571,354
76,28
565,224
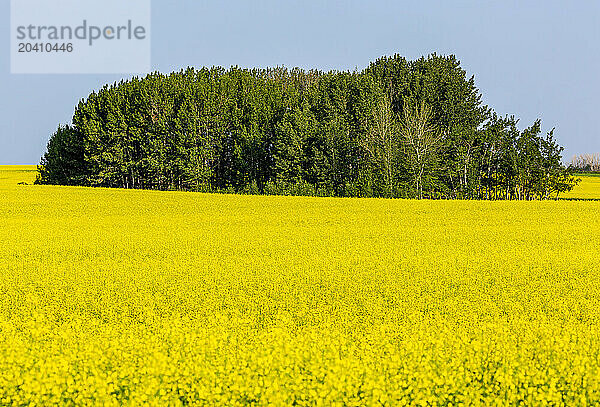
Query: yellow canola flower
x,y
114,297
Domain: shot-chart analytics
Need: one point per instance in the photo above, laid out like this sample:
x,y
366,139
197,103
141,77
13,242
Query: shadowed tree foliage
x,y
398,128
64,161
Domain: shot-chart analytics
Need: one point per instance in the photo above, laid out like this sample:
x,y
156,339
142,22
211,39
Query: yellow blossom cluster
x,y
121,297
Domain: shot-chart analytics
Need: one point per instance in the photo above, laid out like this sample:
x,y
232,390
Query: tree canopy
x,y
398,128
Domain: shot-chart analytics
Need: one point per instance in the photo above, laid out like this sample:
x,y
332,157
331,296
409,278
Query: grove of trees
x,y
586,162
399,128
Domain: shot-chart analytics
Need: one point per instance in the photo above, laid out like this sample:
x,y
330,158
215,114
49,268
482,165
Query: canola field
x,y
120,297
589,188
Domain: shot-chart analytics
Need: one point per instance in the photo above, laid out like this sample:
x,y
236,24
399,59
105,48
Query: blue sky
x,y
530,58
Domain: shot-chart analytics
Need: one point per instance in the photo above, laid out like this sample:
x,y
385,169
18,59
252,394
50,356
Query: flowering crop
x,y
589,188
129,297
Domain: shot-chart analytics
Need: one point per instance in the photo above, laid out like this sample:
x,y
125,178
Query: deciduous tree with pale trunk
x,y
421,141
381,141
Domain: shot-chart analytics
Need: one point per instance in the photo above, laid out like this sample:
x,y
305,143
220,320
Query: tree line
x,y
586,162
399,128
